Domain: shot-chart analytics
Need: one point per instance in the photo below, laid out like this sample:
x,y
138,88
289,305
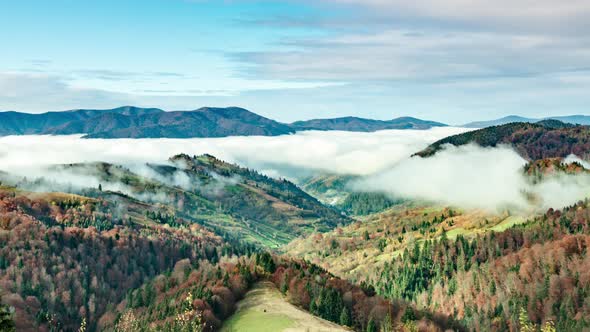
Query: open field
x,y
264,309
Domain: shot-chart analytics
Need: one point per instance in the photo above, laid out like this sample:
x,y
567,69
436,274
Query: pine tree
x,y
6,319
345,317
372,326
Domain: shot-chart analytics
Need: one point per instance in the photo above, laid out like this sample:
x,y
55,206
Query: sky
x,y
452,61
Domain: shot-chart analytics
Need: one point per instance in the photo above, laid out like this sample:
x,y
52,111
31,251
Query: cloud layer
x,y
335,152
474,177
467,176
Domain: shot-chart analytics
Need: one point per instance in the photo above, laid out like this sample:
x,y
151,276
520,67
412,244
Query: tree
x,y
345,317
6,319
382,244
372,326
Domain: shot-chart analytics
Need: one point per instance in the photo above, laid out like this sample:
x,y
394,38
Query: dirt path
x,y
264,309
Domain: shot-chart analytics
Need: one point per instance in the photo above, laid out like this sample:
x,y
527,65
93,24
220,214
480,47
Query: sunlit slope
x,y
355,250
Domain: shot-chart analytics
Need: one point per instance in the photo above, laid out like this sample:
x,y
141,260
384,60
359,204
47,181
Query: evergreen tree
x,y
345,317
6,318
372,326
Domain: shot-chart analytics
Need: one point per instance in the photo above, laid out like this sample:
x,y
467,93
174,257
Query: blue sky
x,y
447,60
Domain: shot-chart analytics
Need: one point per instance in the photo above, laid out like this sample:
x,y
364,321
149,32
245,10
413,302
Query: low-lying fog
x,y
467,176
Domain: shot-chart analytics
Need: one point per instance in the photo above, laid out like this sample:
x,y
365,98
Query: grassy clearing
x,y
507,223
256,321
264,309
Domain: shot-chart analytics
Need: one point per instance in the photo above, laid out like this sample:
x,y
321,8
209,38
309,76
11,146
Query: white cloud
x,y
467,176
475,177
333,151
575,159
526,14
420,54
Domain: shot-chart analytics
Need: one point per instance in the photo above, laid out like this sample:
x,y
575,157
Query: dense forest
x,y
533,141
57,275
539,269
208,294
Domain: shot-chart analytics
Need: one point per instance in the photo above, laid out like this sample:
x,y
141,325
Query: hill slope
x,y
533,141
231,200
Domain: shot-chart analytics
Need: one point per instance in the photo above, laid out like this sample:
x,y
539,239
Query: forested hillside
x,y
205,295
540,268
67,260
232,200
58,269
533,141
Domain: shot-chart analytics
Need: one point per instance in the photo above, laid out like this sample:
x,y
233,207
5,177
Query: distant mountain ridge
x,y
573,119
364,125
15,123
204,122
136,122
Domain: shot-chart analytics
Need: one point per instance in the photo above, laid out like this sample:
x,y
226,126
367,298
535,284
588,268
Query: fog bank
x,y
470,176
467,176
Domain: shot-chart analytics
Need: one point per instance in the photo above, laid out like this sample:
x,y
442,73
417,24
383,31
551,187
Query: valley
x,y
295,166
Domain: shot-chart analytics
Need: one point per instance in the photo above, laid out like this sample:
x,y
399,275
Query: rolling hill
x,y
231,200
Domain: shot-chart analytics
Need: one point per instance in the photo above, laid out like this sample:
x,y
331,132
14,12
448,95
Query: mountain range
x,y
351,123
135,122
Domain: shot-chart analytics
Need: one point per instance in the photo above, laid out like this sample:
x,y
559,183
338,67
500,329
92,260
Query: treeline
x,y
540,268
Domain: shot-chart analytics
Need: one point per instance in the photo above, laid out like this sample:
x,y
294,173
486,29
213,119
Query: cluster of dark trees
x,y
366,203
6,318
541,267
